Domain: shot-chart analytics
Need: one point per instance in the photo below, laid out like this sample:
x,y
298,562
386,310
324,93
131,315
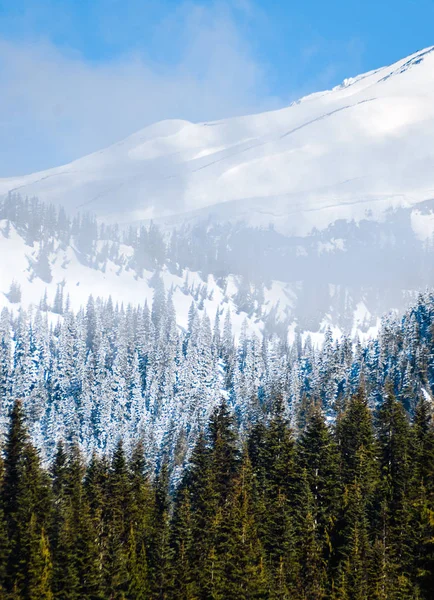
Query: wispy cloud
x,y
56,106
198,60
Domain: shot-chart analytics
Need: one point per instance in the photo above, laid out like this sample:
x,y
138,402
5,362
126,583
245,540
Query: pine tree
x,y
272,453
39,567
355,547
4,541
312,575
161,551
423,543
422,496
26,501
243,572
75,555
422,446
224,452
182,542
16,442
318,459
355,437
339,586
117,526
142,495
137,565
393,522
65,575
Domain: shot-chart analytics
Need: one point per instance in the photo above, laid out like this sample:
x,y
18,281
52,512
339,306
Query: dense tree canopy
x,y
318,516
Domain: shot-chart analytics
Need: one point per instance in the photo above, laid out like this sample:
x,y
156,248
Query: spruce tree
x,y
39,565
355,547
224,451
394,455
142,495
16,442
116,517
312,577
4,552
26,500
4,541
317,459
422,447
161,555
422,496
272,452
356,441
198,485
65,576
137,565
182,542
243,572
85,552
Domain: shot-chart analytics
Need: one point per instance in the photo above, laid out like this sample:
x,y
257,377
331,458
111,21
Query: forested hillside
x,y
342,512
108,372
216,334
144,460
277,282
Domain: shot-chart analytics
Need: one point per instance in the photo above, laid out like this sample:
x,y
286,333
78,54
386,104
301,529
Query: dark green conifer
x,y
422,497
137,564
182,542
161,555
355,549
356,441
142,495
26,500
65,575
39,568
272,450
117,525
312,575
241,570
394,457
224,451
4,541
16,442
317,459
198,485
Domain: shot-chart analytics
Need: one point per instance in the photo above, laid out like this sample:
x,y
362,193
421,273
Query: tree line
x,y
342,511
255,256
109,370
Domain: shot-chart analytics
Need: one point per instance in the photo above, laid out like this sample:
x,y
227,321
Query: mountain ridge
x,y
349,146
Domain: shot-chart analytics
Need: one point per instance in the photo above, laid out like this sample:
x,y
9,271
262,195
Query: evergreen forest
x,y
144,460
338,512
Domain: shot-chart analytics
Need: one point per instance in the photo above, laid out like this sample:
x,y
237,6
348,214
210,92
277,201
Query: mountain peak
x,y
332,155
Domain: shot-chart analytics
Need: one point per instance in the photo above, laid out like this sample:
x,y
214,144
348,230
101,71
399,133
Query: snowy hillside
x,y
77,281
278,285
350,153
195,261
70,283
317,215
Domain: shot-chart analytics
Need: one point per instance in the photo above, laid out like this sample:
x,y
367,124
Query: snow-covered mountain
x,y
354,152
318,214
53,262
195,261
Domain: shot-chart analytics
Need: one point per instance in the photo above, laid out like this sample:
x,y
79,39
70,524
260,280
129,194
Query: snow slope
x,y
78,281
123,285
352,152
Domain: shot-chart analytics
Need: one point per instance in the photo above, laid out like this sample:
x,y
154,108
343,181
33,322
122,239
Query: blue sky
x,y
78,75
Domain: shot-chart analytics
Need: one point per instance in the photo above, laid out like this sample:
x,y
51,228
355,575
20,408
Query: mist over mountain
x,y
326,205
353,152
217,333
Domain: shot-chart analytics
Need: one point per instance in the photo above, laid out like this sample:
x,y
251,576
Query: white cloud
x,y
56,106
